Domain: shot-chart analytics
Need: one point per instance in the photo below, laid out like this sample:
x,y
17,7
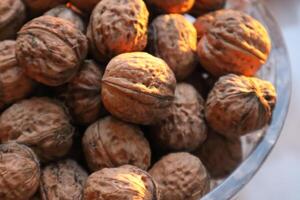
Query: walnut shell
x,y
20,172
238,105
174,39
12,17
126,182
184,128
112,143
63,180
204,6
39,123
84,93
51,50
86,5
180,176
117,26
15,85
235,43
39,6
204,23
138,88
173,6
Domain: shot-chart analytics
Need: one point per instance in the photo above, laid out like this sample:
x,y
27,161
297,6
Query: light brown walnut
x,y
204,23
173,6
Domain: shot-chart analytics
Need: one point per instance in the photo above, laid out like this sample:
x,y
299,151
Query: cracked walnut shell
x,y
173,6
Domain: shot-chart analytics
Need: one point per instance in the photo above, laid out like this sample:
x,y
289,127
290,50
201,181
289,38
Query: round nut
x,y
235,43
204,23
126,182
51,50
180,176
39,6
238,105
138,88
184,128
86,5
39,123
63,180
204,6
12,17
118,26
173,6
14,84
174,39
112,143
20,172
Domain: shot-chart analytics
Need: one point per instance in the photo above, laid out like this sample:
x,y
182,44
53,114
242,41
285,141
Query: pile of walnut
x,y
126,99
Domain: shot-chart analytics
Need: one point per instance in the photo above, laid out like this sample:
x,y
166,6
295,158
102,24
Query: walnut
x,y
180,176
39,123
84,93
238,105
15,85
12,17
37,7
204,23
235,43
126,182
111,143
64,12
173,38
20,172
63,180
51,50
173,6
138,88
118,26
204,6
184,128
86,5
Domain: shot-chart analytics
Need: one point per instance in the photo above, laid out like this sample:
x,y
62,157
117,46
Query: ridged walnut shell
x,y
14,84
173,6
235,43
204,23
238,105
180,176
39,123
184,128
110,142
51,50
174,39
84,93
204,6
123,183
20,172
63,180
12,17
138,88
86,5
39,6
118,26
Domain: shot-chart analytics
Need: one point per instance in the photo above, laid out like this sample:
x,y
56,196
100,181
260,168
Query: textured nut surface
x,y
235,43
203,6
50,49
86,5
238,105
20,172
180,176
14,84
173,6
184,128
174,39
84,93
204,23
110,142
40,6
118,26
123,183
39,123
138,87
63,180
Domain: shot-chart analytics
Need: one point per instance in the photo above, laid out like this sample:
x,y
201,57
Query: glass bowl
x,y
257,146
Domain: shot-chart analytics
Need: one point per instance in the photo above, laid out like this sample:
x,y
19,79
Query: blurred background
x,y
279,178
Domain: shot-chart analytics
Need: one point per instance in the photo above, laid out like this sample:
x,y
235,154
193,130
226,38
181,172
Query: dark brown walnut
x,y
184,128
173,6
12,17
14,84
66,13
84,93
138,88
86,5
63,180
117,26
39,123
174,39
123,183
180,176
51,50
235,43
220,155
39,6
110,142
20,172
204,23
238,105
204,6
